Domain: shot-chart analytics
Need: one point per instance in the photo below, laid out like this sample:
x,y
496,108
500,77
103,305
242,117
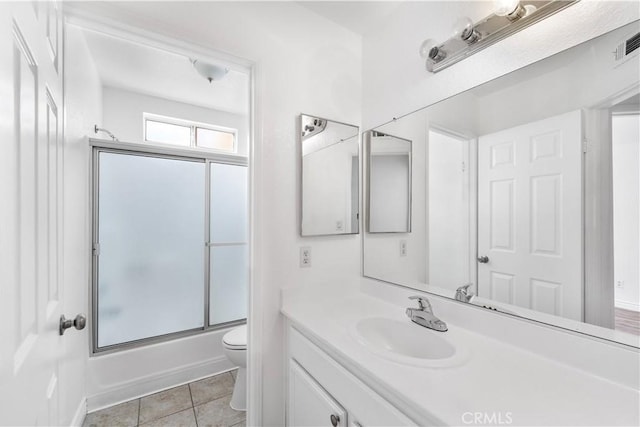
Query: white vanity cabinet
x,y
321,392
309,403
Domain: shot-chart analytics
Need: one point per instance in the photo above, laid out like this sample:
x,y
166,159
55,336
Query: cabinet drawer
x,y
363,405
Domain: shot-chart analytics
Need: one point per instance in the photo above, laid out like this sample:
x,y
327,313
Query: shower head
x,y
96,129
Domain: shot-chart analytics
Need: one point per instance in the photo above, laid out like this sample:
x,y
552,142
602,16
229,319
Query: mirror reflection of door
x,y
529,216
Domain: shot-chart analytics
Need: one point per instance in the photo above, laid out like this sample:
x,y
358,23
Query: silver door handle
x,y
335,420
79,323
483,259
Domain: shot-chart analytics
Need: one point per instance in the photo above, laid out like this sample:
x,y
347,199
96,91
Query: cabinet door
x,y
309,404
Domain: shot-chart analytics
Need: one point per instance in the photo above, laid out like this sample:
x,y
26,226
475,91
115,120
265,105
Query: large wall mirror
x,y
330,177
527,188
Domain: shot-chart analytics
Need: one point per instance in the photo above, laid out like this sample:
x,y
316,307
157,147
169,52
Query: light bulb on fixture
x,y
465,30
210,72
429,49
511,9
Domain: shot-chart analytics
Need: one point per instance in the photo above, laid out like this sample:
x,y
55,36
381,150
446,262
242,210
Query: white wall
x,y
383,259
303,63
83,108
626,212
395,81
448,204
123,111
557,85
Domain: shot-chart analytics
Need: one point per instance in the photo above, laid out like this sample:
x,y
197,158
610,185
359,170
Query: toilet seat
x,y
236,339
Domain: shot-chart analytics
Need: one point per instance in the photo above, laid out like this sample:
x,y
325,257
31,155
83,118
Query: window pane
x,y
228,203
167,133
229,276
151,263
219,140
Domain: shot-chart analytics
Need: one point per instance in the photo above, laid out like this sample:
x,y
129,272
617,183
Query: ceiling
x,y
143,69
357,16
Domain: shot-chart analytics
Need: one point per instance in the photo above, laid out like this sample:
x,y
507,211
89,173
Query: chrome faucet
x,y
423,316
463,294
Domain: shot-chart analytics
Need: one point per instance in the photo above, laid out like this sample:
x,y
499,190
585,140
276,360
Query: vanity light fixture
x,y
509,17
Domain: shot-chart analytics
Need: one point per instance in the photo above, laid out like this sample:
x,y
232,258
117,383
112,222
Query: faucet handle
x,y
463,294
464,288
422,302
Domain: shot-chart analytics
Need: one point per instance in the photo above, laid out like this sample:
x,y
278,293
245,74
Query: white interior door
x,y
530,216
30,215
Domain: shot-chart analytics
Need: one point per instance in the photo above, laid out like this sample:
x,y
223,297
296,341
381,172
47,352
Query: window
x,y
216,139
168,130
168,133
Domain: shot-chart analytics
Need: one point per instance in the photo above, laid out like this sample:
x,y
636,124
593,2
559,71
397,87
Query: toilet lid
x,y
236,337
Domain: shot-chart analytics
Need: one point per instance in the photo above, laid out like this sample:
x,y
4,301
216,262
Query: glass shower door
x,y
229,267
151,252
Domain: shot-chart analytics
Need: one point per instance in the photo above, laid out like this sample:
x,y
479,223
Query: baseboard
x,y
80,414
627,305
144,386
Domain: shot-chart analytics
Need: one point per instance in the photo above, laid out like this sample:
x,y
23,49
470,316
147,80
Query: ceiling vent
x,y
627,49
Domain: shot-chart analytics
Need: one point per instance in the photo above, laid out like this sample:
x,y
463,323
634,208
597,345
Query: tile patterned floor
x,y
203,403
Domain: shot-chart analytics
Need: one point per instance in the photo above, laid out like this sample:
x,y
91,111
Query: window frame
x,y
193,126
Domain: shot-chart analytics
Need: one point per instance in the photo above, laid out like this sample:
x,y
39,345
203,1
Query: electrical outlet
x,y
620,284
305,256
403,248
339,225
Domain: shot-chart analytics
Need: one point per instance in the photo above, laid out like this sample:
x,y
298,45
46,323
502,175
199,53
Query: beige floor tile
x,y
123,415
211,388
218,413
184,418
240,424
164,403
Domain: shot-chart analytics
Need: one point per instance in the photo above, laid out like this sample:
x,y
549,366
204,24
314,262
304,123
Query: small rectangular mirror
x,y
330,177
389,183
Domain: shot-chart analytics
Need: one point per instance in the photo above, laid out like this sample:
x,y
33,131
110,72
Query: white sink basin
x,y
407,343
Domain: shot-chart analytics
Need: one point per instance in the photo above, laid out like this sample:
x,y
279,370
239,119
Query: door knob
x,y
483,259
335,420
79,323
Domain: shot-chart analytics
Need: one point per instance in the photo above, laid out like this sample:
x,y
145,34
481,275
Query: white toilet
x,y
235,348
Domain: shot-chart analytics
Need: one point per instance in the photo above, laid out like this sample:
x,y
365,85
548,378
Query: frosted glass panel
x,y
151,234
218,140
168,133
228,203
229,276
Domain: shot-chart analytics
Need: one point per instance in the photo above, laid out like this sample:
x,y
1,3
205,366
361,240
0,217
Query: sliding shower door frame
x,y
166,152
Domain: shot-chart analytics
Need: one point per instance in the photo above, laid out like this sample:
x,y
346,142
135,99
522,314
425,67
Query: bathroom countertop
x,y
497,380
